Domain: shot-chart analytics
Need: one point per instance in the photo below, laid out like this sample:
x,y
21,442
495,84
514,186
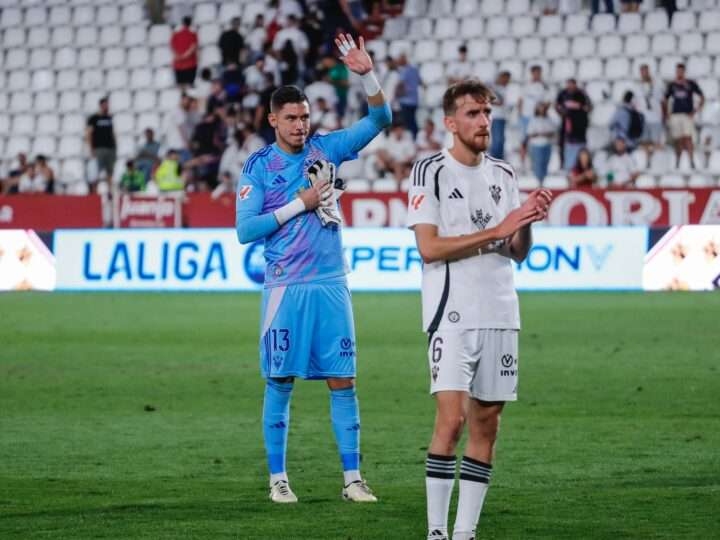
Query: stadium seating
x,y
58,58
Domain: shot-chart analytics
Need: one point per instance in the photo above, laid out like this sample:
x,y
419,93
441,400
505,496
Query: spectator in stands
x,y
397,152
546,7
408,93
500,114
650,104
534,92
595,7
628,123
147,154
630,6
217,98
339,77
167,175
312,27
622,171
296,37
232,83
272,63
254,76
582,174
260,120
670,6
540,135
207,145
31,181
257,37
232,44
203,87
429,141
44,170
16,169
180,126
289,65
574,106
323,118
184,45
459,69
133,179
389,80
321,88
100,138
244,142
681,92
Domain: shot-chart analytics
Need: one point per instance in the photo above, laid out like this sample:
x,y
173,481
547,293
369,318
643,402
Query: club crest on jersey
x,y
244,192
495,193
481,219
416,201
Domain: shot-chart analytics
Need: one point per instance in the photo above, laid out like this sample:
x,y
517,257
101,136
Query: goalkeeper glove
x,y
323,172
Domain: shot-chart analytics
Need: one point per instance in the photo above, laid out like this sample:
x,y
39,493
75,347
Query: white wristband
x,y
370,83
289,211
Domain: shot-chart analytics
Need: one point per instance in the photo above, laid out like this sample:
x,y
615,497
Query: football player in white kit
x,y
469,226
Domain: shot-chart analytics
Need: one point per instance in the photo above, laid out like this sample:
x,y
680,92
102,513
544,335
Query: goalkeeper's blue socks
x,y
276,422
345,416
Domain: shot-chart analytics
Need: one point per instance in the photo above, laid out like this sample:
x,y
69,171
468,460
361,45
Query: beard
x,y
476,144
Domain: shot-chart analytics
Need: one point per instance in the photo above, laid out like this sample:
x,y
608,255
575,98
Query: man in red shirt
x,y
184,44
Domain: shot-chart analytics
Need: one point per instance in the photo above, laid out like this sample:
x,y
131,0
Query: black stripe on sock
x,y
476,462
473,478
445,476
438,457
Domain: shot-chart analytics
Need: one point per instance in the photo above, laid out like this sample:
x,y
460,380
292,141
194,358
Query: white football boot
x,y
280,492
358,491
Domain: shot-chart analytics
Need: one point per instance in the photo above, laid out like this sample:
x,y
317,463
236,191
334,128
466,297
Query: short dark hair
x,y
286,94
680,65
469,87
536,67
187,21
628,96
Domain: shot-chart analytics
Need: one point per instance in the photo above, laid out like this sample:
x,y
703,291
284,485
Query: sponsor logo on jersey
x,y
244,192
416,201
495,193
279,425
456,194
453,316
346,343
481,219
348,348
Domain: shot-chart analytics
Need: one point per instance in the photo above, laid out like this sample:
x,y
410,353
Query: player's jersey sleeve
x,y
250,223
423,202
344,144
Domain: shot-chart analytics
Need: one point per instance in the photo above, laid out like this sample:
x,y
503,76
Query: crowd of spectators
x,y
221,117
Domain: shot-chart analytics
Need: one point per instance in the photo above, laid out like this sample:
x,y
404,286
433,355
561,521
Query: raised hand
x,y
515,220
355,58
539,201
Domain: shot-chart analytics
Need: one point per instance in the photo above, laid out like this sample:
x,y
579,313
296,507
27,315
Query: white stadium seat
x,y
494,7
124,122
141,78
610,45
602,113
18,81
629,23
590,69
70,147
23,124
598,90
36,16
132,14
13,37
204,13
41,58
116,79
420,29
111,36
86,36
92,78
46,101
485,69
11,17
18,144
16,59
438,8
144,101
557,47
120,100
209,33
656,22
89,58
229,10
530,47
710,86
160,34
107,15
84,15
43,80
523,26
712,45
415,8
478,49
113,57
70,102
637,45
210,55
576,24
48,124
683,21
550,25
663,44
432,72
709,21
60,15
668,65
91,99
398,47
169,99
497,27
396,28
138,57
38,36
617,68
446,28
472,27
503,48
603,23
163,78
44,145
518,7
449,50
62,36
563,69
425,50
463,8
67,78
583,46
72,123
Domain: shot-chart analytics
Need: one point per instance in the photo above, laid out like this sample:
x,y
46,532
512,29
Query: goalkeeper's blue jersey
x,y
302,250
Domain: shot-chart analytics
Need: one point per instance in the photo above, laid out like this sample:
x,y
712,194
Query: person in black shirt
x,y
100,137
679,116
231,43
574,106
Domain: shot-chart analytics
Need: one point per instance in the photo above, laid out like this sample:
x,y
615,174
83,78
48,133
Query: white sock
x,y
474,478
277,477
439,482
351,476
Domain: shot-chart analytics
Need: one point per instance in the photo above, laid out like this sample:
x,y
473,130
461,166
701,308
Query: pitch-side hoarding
x,y
378,259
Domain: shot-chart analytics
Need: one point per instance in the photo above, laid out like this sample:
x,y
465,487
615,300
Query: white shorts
x,y
482,362
681,125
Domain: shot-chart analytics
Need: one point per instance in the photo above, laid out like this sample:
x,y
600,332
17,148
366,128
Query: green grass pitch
x,y
137,416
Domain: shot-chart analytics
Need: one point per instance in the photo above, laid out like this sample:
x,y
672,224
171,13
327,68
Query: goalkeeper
x,y
287,196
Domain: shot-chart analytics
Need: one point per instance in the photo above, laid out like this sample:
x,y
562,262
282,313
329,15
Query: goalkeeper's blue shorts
x,y
307,331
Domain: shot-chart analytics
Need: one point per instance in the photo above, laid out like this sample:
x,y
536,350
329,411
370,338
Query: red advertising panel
x,y
651,207
50,212
134,210
202,210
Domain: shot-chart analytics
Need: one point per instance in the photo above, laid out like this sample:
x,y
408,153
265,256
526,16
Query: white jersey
x,y
475,292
